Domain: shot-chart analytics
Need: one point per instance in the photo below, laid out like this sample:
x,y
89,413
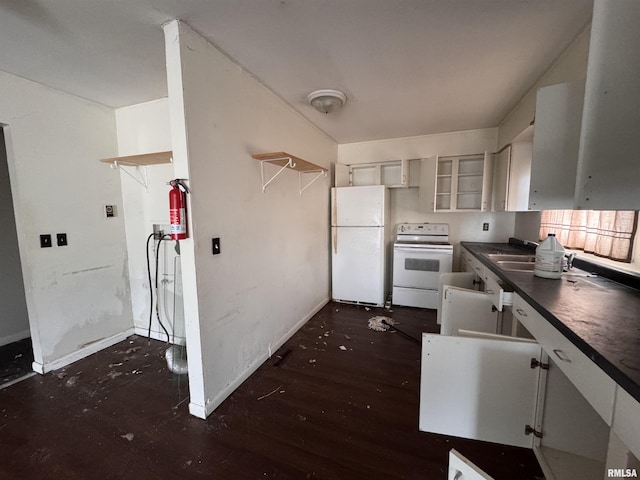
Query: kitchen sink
x,y
526,266
501,257
513,262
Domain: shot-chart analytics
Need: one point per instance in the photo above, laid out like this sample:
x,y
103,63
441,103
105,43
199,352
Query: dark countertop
x,y
598,315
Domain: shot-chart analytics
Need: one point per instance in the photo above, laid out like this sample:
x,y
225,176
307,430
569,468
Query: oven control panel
x,y
423,229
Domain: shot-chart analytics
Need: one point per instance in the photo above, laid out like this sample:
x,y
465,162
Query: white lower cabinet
x,y
459,297
512,391
596,386
626,425
462,469
479,388
467,310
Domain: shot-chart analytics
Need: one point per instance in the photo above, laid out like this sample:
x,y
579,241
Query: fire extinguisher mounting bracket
x,y
179,182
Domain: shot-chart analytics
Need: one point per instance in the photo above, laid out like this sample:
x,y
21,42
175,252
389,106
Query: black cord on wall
x,y
152,286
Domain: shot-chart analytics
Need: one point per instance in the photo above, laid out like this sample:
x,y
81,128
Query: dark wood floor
x,y
342,404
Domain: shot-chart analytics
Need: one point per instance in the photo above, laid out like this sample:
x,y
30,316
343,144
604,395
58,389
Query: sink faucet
x,y
570,258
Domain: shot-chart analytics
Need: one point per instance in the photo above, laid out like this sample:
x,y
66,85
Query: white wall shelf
x,y
138,161
287,161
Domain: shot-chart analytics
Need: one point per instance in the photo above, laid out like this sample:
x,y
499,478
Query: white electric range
x,y
421,252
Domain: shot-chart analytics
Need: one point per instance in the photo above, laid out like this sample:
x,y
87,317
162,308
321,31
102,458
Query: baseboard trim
x,y
94,347
16,337
206,410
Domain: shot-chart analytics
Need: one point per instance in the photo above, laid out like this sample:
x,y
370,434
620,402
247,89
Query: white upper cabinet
x,y
427,192
520,175
512,175
341,175
459,183
393,174
609,174
556,143
501,162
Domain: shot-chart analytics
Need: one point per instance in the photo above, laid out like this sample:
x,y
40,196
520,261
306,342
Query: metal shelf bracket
x,y
319,174
142,178
289,164
284,161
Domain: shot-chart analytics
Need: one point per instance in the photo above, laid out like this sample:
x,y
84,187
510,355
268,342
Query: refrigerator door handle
x,y
335,241
334,208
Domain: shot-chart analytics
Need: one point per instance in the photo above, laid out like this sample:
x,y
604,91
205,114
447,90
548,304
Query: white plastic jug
x,y
549,258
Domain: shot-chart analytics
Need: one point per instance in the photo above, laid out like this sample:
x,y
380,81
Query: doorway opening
x,y
16,349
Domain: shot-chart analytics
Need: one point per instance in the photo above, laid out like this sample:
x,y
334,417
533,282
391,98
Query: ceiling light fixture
x,y
327,101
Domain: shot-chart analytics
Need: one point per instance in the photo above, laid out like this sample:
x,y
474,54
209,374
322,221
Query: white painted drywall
x,y
145,128
423,146
570,67
14,320
273,270
79,294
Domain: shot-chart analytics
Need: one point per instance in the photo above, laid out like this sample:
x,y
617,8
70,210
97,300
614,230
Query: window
x,y
608,234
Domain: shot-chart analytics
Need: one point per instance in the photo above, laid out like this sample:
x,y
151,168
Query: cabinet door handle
x,y
561,355
490,292
458,475
521,312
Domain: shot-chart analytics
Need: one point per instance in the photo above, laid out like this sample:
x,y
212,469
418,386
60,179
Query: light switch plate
x,y
45,240
62,239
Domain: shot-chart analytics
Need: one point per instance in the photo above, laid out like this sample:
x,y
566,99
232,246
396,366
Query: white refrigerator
x,y
360,235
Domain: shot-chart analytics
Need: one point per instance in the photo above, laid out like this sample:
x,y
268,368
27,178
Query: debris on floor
x,y
128,436
271,393
380,323
384,324
71,382
342,347
281,358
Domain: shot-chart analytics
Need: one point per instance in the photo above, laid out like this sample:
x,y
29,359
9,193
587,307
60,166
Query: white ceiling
x,y
408,67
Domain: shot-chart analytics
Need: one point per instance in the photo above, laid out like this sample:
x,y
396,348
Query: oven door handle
x,y
422,250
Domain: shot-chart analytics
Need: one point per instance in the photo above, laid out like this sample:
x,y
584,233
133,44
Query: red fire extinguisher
x,y
178,209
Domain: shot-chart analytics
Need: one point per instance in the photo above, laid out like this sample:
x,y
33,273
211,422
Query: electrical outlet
x,y
110,211
159,231
45,240
62,239
485,227
215,246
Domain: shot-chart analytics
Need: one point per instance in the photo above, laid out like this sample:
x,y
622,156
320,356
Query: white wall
x,y
14,321
527,226
405,205
571,66
423,146
273,271
78,295
145,128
